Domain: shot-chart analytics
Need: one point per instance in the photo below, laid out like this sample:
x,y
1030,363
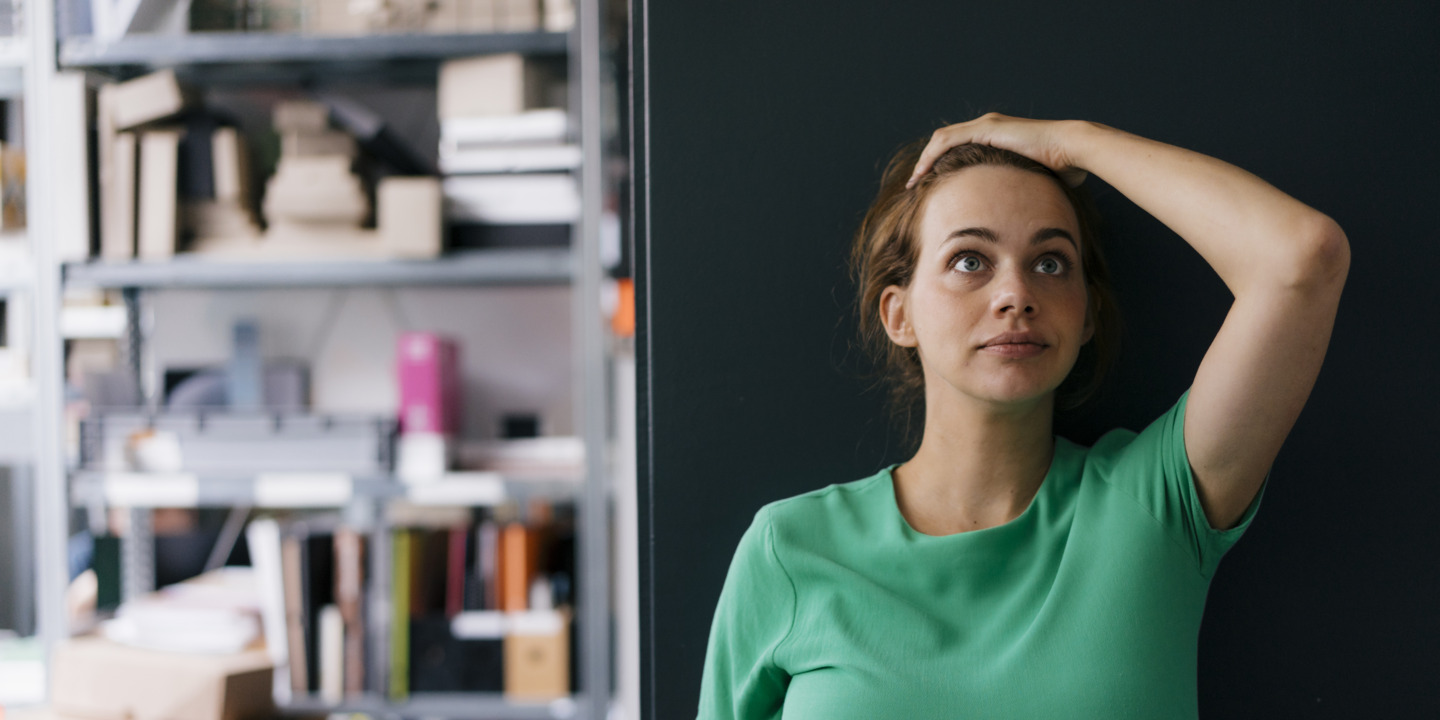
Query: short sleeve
x,y
741,680
1154,469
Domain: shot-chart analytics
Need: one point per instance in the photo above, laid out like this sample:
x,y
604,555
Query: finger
x,y
942,140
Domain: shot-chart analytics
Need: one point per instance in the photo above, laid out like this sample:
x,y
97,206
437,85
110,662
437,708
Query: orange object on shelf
x,y
623,321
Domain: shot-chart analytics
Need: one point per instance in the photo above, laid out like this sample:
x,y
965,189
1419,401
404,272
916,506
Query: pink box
x,y
429,370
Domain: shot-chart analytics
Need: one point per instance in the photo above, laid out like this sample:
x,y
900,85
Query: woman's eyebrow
x,y
988,235
985,234
1054,232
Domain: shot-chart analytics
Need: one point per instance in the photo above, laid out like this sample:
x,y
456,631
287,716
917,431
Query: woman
x,y
1002,572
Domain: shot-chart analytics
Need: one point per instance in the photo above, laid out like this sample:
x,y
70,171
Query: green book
x,y
400,618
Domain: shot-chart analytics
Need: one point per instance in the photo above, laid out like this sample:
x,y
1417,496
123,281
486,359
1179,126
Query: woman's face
x,y
997,303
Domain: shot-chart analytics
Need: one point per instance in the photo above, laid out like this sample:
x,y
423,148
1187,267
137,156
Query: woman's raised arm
x,y
1284,261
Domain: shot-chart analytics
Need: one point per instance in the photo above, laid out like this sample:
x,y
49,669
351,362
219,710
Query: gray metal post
x,y
49,487
135,343
595,648
137,552
23,491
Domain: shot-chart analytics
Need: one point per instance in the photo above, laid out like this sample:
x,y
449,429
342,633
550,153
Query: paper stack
x,y
503,145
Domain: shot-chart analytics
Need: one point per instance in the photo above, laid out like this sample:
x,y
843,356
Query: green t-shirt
x,y
1087,605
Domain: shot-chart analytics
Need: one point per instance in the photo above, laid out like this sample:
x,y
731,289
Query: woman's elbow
x,y
1324,255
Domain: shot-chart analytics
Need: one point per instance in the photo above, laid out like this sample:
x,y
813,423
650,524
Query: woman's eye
x,y
969,263
1050,266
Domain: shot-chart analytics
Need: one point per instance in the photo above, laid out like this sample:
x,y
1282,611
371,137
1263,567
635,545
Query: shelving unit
x,y
280,59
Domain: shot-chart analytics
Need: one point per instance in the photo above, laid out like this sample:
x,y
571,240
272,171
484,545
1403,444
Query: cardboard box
x,y
96,679
408,216
488,85
537,655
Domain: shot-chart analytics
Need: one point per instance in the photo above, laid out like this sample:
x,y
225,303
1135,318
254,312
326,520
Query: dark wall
x,y
763,129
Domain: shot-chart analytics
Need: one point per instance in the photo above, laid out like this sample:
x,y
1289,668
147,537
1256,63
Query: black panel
x,y
764,128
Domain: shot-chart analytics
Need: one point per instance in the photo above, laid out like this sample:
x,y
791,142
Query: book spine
x,y
332,654
291,557
488,563
349,594
117,197
455,572
516,567
263,539
400,618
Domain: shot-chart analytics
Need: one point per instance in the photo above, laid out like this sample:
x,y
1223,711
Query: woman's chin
x,y
1017,394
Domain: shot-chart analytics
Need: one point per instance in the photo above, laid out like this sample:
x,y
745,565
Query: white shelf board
x,y
500,266
17,423
14,51
17,270
96,322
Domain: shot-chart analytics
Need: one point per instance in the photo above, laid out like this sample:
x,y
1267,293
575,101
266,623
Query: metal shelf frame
x,y
500,266
151,490
236,48
457,706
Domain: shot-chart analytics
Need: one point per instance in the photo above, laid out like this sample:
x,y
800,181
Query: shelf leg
x,y
137,551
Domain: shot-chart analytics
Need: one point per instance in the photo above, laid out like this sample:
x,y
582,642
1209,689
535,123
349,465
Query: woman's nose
x,y
1013,295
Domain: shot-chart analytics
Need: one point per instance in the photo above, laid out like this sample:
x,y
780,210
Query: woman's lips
x,y
1015,350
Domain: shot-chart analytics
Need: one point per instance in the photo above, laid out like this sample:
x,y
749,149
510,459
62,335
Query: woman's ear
x,y
894,315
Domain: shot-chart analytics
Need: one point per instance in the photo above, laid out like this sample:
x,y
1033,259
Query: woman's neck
x,y
978,465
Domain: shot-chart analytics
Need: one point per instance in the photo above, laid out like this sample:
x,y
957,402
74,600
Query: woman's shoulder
x,y
1159,436
826,505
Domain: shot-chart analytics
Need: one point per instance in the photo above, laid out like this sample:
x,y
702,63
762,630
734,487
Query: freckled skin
x,y
967,290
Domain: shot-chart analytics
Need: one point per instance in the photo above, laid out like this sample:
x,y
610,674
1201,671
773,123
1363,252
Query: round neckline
x,y
1025,515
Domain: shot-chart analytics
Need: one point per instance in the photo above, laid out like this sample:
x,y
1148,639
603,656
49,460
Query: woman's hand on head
x,y
1040,140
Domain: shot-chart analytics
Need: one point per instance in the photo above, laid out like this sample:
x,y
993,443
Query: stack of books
x,y
466,590
505,152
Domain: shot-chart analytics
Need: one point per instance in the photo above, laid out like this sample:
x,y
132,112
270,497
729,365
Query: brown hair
x,y
886,250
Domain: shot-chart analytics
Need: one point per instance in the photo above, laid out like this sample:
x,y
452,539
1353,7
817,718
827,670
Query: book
x,y
332,654
349,596
117,199
400,616
146,99
71,102
293,580
487,551
541,199
262,538
319,592
455,573
510,159
516,567
531,126
159,209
